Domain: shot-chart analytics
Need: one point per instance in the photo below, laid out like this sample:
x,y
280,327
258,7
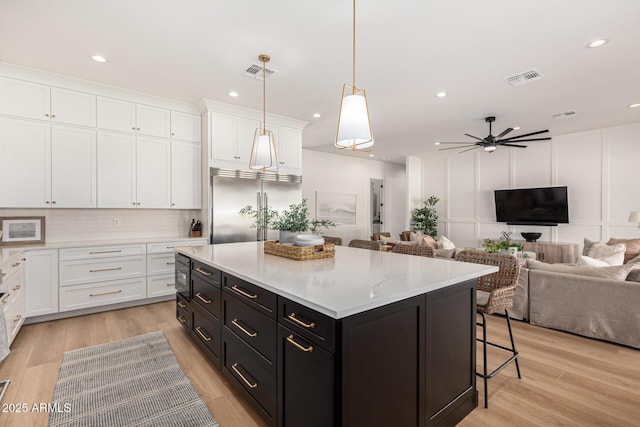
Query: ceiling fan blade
x,y
469,149
526,140
504,132
527,134
453,148
514,145
466,142
479,139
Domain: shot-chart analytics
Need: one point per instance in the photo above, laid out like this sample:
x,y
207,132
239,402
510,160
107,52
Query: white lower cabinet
x,y
100,270
97,294
41,282
158,286
161,260
12,298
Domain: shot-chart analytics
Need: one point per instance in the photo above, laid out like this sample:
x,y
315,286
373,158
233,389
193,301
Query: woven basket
x,y
300,253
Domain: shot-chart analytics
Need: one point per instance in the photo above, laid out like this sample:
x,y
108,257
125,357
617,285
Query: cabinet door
x,y
116,170
185,175
41,282
116,114
245,131
185,126
223,137
73,167
153,121
306,384
153,177
290,147
25,164
24,99
73,107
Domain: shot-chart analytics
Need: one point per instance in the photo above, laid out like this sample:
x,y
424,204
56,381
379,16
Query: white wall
x,y
341,174
600,169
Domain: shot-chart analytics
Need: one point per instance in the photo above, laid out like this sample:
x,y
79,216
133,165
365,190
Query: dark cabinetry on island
x,y
408,363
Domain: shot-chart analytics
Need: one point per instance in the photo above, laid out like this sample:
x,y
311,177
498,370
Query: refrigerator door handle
x,y
266,208
260,214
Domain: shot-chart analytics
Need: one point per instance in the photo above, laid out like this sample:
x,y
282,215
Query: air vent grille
x,y
523,78
255,71
564,114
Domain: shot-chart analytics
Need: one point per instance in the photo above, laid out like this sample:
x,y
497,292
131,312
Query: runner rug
x,y
132,382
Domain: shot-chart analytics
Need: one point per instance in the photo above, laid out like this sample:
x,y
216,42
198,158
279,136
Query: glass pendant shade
x,y
263,151
354,127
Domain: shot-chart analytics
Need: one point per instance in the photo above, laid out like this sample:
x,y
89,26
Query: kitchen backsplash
x,y
63,225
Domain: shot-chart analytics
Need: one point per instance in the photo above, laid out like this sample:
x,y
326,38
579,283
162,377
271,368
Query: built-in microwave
x,y
183,276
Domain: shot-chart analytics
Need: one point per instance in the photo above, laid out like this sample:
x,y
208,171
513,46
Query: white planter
x,y
286,236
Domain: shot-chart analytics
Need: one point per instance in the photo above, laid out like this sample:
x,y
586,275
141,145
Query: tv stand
x,y
551,253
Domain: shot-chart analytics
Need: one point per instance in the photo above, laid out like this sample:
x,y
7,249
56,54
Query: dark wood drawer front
x,y
182,303
248,369
266,302
206,330
210,274
313,326
206,295
183,312
252,327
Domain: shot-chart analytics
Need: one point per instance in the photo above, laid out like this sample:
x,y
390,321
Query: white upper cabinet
x,y
223,137
125,116
289,144
116,170
245,131
73,167
185,175
153,173
36,101
185,126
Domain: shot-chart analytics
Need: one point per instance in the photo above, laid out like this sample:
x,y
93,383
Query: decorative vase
x,y
286,236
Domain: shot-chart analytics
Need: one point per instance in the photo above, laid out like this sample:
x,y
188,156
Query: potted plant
x,y
500,246
264,220
425,219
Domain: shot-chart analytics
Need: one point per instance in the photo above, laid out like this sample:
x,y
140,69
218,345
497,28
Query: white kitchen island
x,y
365,338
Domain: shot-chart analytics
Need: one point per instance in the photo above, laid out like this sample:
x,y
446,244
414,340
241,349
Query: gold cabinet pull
x,y
205,272
293,318
15,288
243,292
105,269
182,305
204,300
106,293
170,263
15,265
170,284
182,319
17,319
235,368
5,299
298,346
237,325
204,337
105,252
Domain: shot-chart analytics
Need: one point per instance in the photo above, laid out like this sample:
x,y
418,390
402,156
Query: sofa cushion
x,y
386,240
615,259
633,247
444,243
415,236
616,272
587,246
600,250
634,275
428,241
445,253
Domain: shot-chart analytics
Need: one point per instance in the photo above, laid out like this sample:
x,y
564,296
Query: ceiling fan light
x,y
263,151
354,127
490,148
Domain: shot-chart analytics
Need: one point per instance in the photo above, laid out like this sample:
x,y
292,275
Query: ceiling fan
x,y
490,143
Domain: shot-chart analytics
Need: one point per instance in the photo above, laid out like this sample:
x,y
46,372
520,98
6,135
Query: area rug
x,y
132,382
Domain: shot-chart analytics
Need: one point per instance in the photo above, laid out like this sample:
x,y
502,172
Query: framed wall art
x,y
21,230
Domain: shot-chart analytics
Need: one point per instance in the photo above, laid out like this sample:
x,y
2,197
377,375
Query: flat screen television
x,y
532,206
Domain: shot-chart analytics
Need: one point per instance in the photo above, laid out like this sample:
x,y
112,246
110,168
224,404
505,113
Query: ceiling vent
x,y
564,114
526,77
255,71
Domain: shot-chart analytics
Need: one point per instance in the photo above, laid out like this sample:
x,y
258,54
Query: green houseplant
x,y
496,246
425,219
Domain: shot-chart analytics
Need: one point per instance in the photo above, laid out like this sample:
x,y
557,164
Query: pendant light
x,y
354,126
263,152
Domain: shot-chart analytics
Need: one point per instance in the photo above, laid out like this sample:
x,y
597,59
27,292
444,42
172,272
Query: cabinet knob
x,y
173,134
138,203
46,115
53,116
47,202
54,202
138,129
133,128
173,204
133,203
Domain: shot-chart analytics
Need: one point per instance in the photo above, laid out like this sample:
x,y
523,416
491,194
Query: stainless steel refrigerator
x,y
232,190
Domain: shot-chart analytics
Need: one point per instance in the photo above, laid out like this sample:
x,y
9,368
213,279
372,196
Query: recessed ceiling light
x,y
316,115
436,143
634,105
516,128
98,58
371,155
233,94
441,94
597,43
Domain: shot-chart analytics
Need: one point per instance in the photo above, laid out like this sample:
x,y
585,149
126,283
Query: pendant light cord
x,y
354,46
264,97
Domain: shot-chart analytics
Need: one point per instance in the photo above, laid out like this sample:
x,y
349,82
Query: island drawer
x,y
206,332
248,369
205,272
183,312
266,302
313,326
206,295
252,327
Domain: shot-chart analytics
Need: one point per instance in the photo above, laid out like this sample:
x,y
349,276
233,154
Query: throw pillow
x,y
445,253
601,250
587,246
633,247
615,259
444,243
415,236
386,240
635,260
428,241
634,275
614,272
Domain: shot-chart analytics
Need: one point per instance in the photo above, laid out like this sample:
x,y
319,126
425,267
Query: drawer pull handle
x,y
205,272
292,317
15,265
204,337
298,346
182,305
105,269
17,319
106,293
182,319
1,276
5,299
170,263
15,288
170,284
237,325
105,252
204,300
243,292
235,368
170,247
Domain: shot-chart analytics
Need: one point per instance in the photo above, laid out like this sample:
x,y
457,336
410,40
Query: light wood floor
x,y
567,380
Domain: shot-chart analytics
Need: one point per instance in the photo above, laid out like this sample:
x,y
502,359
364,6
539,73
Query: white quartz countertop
x,y
356,280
